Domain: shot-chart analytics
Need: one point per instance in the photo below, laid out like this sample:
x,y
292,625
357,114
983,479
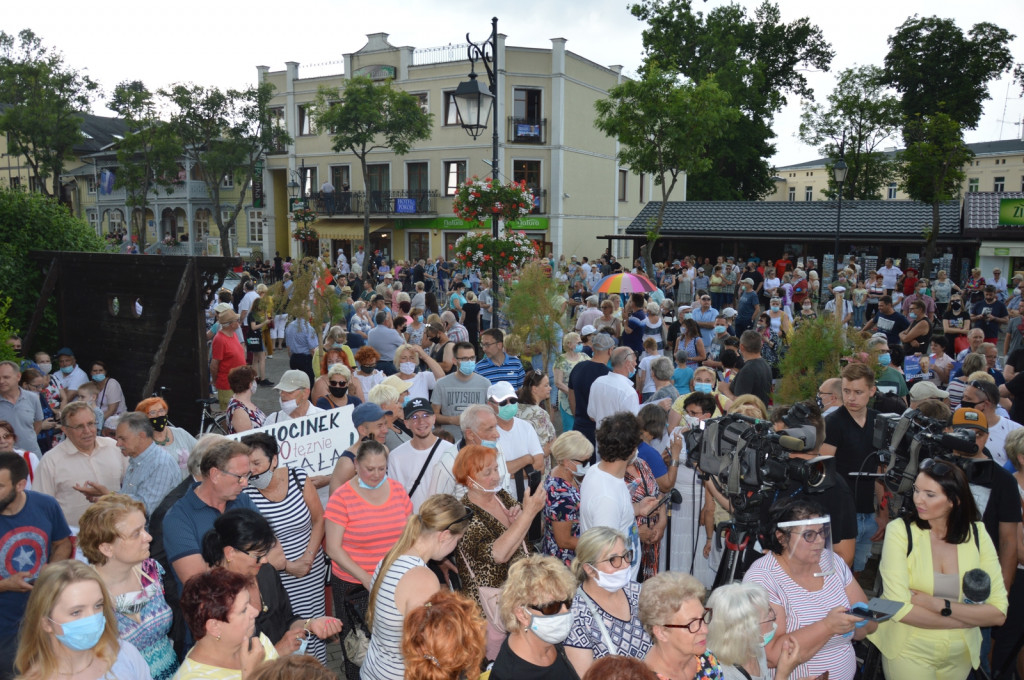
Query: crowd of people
x,y
539,523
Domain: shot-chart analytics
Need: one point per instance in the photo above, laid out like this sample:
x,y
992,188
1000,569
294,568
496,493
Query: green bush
x,y
814,355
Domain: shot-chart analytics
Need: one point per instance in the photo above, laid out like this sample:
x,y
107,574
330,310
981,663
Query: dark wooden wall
x,y
96,296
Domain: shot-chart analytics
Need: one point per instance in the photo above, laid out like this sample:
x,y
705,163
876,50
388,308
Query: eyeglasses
x,y
772,618
936,467
552,607
465,518
488,345
693,625
422,415
259,557
337,384
81,428
812,535
618,560
242,479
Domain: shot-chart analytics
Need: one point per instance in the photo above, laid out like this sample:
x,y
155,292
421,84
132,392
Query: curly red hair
x,y
209,596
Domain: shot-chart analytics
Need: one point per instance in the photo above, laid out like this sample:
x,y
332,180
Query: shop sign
x,y
1011,212
376,72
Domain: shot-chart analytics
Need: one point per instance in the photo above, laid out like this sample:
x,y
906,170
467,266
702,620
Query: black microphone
x,y
675,497
977,586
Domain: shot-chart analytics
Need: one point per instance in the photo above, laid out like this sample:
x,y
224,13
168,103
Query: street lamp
x,y
839,171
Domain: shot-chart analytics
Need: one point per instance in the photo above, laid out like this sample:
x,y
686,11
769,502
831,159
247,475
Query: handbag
x,y
490,603
356,641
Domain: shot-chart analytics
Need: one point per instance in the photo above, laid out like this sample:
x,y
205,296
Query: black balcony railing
x,y
527,131
381,202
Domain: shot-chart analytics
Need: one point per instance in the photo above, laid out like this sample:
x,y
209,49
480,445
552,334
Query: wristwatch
x,y
947,610
676,463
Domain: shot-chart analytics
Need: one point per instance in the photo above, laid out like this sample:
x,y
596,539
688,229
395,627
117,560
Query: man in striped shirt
x,y
497,366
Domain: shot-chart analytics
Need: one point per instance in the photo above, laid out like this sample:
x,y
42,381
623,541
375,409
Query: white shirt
x,y
830,308
604,501
521,440
997,439
889,276
406,461
611,394
245,305
73,380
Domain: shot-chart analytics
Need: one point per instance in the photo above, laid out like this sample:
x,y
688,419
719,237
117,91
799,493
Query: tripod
x,y
737,535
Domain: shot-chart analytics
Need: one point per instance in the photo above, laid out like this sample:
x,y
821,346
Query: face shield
x,y
809,541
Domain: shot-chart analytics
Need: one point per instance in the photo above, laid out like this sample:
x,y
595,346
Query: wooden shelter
x,y
143,315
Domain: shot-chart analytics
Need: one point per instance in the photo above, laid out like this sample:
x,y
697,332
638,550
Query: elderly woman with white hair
x,y
743,623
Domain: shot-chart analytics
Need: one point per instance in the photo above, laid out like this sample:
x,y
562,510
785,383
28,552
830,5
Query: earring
x,y
218,638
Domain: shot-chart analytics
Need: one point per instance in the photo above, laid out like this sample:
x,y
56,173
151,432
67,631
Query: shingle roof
x,y
981,210
99,131
886,219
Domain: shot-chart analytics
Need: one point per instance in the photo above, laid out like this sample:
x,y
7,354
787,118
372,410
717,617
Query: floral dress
x,y
256,417
646,485
149,633
565,365
562,505
541,421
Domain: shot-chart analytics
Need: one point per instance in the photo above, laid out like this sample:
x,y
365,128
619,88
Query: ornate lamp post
x,y
839,171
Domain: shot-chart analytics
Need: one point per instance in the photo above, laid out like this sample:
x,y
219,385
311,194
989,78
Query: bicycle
x,y
211,422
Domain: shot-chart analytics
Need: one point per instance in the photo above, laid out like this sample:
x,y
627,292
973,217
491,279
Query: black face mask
x,y
159,423
338,392
434,340
367,369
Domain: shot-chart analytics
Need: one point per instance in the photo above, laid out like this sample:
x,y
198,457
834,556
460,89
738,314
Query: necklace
x,y
74,672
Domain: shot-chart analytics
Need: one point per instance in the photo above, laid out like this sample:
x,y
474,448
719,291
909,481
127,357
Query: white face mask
x,y
551,629
262,480
478,485
45,368
407,367
252,388
289,406
613,582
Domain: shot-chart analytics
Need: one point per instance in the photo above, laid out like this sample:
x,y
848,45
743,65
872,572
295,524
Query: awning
x,y
1001,249
344,232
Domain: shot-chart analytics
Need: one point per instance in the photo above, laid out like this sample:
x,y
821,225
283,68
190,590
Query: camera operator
x,y
983,395
849,434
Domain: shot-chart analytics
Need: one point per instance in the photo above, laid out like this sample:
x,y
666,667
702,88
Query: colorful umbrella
x,y
625,283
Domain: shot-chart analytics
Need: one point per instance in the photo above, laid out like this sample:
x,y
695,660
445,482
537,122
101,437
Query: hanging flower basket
x,y
508,253
477,200
305,233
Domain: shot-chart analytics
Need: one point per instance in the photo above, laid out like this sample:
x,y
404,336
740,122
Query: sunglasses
x,y
337,384
506,402
465,518
693,625
551,608
618,560
936,467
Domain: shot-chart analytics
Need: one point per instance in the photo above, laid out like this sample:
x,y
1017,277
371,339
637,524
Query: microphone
x,y
977,586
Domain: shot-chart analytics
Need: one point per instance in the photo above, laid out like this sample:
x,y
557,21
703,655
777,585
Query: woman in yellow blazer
x,y
936,635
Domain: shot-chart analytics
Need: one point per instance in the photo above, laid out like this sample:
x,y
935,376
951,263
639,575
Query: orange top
x,y
370,530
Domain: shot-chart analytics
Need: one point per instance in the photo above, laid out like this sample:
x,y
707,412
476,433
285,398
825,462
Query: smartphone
x,y
535,478
662,501
877,610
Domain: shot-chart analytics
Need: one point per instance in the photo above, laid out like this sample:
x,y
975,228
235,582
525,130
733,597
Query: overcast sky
x,y
221,43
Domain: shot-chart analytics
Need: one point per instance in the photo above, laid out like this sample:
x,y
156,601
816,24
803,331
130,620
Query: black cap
x,y
418,404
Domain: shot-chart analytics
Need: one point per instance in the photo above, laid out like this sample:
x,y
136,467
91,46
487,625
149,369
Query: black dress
x,y
472,323
509,665
276,616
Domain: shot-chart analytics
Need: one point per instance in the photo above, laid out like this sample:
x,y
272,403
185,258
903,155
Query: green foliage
x,y
6,331
665,128
814,354
30,221
860,107
147,157
326,305
535,310
756,60
44,98
225,134
369,116
937,68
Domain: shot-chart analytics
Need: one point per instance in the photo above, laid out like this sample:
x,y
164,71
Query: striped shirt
x,y
384,657
150,475
370,530
510,371
804,607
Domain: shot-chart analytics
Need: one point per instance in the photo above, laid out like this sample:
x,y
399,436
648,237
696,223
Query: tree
x,y
370,116
860,108
535,309
665,129
225,134
147,157
43,99
932,168
52,228
755,60
937,68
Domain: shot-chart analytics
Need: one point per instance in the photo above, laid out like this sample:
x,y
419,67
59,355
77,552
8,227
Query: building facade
x,y
547,138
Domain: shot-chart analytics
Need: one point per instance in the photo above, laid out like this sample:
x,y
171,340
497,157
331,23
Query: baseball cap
x,y
223,307
926,390
367,412
500,391
970,417
839,289
729,312
588,330
749,282
419,404
602,342
65,352
292,380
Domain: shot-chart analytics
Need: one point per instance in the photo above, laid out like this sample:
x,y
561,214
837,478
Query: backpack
x,y
800,291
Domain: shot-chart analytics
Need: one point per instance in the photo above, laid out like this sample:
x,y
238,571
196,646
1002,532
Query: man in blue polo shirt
x,y
497,366
225,472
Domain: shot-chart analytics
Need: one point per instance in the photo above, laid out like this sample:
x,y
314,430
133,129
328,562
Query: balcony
x,y
527,130
398,203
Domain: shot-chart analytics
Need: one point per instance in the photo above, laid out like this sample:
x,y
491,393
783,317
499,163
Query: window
x,y
306,126
115,220
998,184
451,114
424,101
255,226
416,177
202,223
622,184
93,220
972,185
90,184
15,182
378,178
225,215
808,193
33,183
643,185
228,182
276,115
1022,183
529,172
454,175
792,194
419,245
526,105
308,181
891,193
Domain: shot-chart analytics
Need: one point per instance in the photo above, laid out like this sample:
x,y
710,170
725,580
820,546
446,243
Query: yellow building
x,y
997,166
547,137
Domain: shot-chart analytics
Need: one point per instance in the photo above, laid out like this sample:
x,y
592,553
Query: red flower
x,y
480,246
487,257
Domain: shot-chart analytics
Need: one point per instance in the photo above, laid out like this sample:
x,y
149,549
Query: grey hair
x,y
195,459
663,595
448,317
137,423
735,631
13,365
661,368
591,545
469,420
619,356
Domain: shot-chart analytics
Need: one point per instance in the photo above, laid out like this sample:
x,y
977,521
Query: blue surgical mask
x,y
719,330
705,388
467,367
912,315
419,318
508,411
579,347
84,633
405,402
364,485
632,374
66,370
688,315
489,443
99,377
775,308
767,637
884,359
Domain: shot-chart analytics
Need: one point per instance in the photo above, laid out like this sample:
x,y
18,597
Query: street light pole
x,y
839,171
